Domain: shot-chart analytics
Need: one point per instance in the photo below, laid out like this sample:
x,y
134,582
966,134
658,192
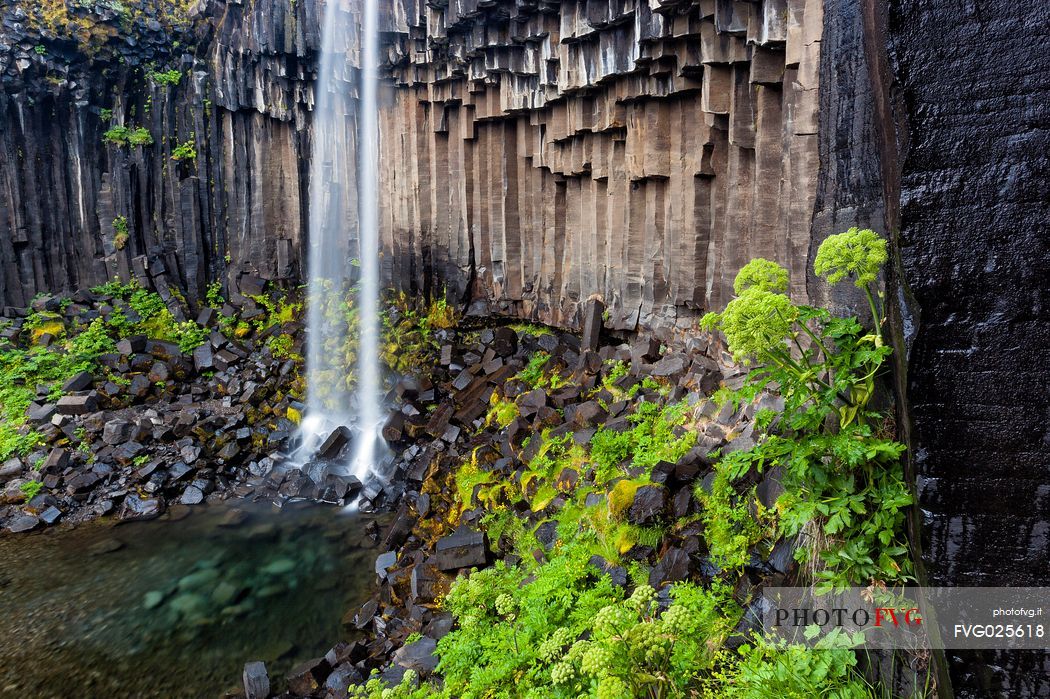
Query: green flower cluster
x,y
857,253
761,274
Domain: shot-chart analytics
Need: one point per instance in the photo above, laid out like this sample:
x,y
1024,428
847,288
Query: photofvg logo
x,y
974,617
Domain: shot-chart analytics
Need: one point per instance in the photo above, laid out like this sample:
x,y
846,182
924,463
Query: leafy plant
x,y
30,489
657,435
126,136
168,77
184,151
120,235
839,467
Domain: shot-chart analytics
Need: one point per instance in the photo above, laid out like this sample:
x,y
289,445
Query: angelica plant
x,y
838,467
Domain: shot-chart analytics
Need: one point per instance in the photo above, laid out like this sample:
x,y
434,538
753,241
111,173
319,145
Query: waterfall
x,y
342,202
368,298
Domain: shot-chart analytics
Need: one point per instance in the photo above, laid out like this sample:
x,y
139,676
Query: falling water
x,y
343,201
368,298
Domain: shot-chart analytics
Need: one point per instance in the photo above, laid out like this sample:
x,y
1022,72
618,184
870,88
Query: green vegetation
x,y
81,21
120,232
128,136
30,489
657,436
840,466
550,624
168,77
149,316
408,330
22,370
184,151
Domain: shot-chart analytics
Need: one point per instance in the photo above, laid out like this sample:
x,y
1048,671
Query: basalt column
x,y
536,155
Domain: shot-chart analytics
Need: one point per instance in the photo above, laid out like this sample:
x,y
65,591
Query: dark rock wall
x,y
974,209
243,102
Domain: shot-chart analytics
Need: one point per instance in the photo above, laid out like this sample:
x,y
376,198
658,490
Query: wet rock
x,y
504,341
670,365
23,523
41,413
12,468
418,656
136,508
648,505
77,405
79,382
192,496
529,403
50,515
117,432
307,676
463,549
132,345
56,461
384,562
645,351
673,566
256,681
334,444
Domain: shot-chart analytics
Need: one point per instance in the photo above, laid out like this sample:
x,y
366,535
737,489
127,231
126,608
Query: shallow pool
x,y
174,607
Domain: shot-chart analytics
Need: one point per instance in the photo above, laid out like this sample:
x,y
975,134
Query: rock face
x,y
973,193
640,152
534,155
77,209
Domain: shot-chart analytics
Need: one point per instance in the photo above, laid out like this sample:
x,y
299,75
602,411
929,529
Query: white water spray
x,y
340,195
368,298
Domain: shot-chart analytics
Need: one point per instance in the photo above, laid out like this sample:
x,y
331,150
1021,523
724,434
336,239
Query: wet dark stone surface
x,y
975,182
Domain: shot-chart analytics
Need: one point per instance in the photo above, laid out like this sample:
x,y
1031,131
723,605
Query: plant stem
x,y
874,311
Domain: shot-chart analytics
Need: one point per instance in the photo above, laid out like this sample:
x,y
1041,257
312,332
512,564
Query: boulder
x,y
23,523
418,656
463,549
307,676
117,432
80,382
648,505
77,405
56,461
334,444
12,468
136,508
672,567
504,342
256,681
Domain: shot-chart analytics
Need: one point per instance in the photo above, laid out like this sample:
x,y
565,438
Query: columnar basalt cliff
x,y
241,102
546,153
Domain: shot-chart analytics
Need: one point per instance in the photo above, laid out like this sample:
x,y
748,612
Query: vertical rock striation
x,y
974,193
538,154
241,103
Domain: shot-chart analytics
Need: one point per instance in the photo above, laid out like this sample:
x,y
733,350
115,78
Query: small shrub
x,y
30,489
125,136
184,151
120,232
168,77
